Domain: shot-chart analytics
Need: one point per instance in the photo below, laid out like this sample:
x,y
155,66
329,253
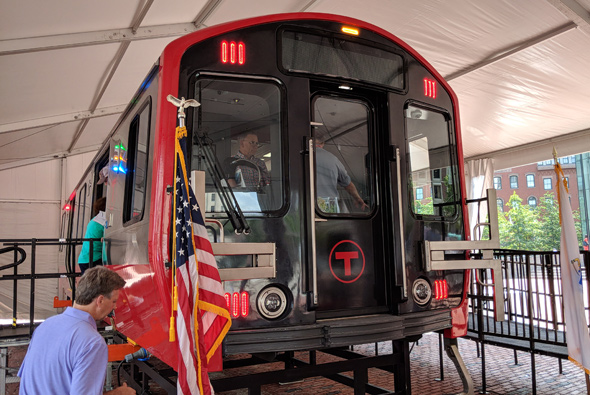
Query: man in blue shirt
x,y
67,355
331,174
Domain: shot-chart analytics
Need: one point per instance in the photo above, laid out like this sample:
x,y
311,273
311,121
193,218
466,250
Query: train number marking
x,y
346,254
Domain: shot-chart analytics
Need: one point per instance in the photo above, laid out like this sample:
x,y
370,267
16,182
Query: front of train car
x,y
332,157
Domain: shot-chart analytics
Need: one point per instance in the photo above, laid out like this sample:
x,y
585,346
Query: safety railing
x,y
23,268
534,307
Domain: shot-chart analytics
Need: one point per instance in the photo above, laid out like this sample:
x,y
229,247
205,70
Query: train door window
x,y
81,212
136,166
431,165
239,123
344,180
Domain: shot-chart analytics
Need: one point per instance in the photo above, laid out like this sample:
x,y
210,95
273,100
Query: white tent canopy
x,y
519,68
69,68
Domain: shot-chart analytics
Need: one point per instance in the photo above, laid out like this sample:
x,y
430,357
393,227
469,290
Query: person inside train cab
x,y
330,174
244,169
94,230
66,354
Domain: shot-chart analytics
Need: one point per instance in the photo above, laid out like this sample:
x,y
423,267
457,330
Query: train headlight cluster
x,y
421,291
272,302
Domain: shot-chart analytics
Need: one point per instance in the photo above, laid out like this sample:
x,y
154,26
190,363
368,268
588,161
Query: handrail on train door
x,y
313,219
434,255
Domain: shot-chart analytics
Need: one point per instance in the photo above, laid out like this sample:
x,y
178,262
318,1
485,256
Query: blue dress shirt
x,y
66,355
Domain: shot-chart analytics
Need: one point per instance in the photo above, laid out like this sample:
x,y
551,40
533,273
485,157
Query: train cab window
x,y
239,125
431,166
343,167
135,168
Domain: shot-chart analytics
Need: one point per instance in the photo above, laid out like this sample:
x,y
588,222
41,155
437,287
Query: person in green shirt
x,y
94,230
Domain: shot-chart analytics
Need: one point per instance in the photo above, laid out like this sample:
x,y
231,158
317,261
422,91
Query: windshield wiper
x,y
226,194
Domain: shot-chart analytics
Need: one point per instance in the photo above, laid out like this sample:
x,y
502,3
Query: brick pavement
x,y
503,377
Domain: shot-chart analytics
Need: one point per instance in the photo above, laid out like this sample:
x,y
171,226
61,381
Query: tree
x,y
533,228
519,227
550,237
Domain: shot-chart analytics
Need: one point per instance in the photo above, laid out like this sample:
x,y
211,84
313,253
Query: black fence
x,y
534,306
20,251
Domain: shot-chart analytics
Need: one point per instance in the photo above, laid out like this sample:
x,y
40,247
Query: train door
x,y
347,241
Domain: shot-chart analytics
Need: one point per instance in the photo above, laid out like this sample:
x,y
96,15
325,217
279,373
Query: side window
x,y
136,167
530,180
433,182
239,121
497,182
343,174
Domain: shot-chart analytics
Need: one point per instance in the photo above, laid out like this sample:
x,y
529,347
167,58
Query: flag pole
x,y
181,104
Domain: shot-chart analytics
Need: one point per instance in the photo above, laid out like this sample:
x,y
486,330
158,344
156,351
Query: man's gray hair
x,y
95,282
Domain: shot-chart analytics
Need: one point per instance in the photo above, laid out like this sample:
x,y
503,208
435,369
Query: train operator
x,y
67,355
330,173
245,169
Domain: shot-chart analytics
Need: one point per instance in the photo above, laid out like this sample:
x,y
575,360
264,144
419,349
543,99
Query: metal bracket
x,y
263,256
434,255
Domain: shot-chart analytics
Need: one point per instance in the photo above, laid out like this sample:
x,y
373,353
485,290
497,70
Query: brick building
x,y
531,182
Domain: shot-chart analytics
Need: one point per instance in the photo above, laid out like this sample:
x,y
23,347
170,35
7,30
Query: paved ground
x,y
503,376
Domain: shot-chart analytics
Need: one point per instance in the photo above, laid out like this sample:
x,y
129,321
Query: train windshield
x,y
334,56
240,122
432,171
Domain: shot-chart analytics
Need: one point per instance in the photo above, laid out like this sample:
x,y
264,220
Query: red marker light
x,y
244,304
241,53
429,88
235,308
233,53
67,207
441,289
224,52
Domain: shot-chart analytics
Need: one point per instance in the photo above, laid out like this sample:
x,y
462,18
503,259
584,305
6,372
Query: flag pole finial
x,y
182,103
555,154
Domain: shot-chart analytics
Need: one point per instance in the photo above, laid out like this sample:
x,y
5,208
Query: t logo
x,y
347,255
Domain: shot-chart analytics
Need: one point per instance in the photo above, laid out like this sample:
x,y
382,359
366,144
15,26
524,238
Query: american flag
x,y
202,318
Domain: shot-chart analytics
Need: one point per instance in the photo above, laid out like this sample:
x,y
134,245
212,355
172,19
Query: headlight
x,y
272,302
421,291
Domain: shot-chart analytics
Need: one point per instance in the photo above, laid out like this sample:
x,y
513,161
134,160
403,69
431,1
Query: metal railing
x,y
534,306
24,268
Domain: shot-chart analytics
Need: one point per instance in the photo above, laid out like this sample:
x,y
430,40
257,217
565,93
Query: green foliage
x,y
426,208
533,228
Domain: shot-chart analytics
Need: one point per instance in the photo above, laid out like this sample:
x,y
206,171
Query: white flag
x,y
577,337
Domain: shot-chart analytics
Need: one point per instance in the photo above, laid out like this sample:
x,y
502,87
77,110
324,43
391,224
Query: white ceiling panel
x,y
520,69
42,84
234,10
164,12
37,143
138,60
95,132
33,18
